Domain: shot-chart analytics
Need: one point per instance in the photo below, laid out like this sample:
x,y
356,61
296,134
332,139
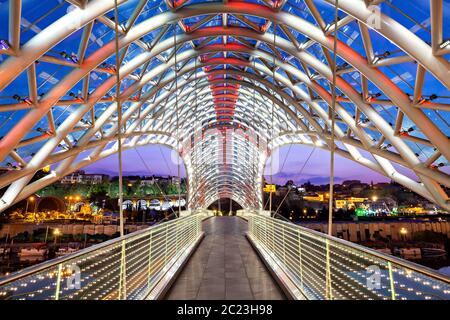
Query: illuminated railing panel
x,y
312,265
136,266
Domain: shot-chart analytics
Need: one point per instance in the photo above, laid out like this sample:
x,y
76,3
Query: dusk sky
x,y
158,162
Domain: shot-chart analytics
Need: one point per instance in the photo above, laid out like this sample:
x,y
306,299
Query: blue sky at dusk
x,y
158,161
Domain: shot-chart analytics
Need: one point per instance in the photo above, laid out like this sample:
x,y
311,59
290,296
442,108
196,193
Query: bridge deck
x,y
225,267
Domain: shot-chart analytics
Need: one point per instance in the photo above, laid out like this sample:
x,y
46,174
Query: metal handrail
x,y
281,217
316,261
401,262
54,262
143,260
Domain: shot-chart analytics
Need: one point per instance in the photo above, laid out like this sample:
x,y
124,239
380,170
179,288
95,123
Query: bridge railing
x,y
313,265
244,213
136,266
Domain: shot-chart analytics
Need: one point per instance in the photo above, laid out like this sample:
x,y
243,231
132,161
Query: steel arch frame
x,y
416,48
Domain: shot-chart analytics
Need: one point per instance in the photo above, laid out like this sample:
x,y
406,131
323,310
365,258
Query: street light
x,y
74,198
56,233
34,208
374,198
31,199
70,204
403,232
77,199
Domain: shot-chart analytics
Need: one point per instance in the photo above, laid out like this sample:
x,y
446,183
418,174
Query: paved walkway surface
x,y
225,266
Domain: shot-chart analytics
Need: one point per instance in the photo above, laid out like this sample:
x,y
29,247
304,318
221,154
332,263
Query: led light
x,y
301,255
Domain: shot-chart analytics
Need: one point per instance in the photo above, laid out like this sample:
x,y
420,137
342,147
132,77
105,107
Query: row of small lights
x,y
417,279
318,280
370,260
317,283
111,262
139,264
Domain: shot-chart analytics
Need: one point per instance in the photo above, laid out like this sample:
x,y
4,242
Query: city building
x,y
147,181
349,203
84,178
377,206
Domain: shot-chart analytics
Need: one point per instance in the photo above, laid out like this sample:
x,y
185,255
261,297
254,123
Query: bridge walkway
x,y
225,266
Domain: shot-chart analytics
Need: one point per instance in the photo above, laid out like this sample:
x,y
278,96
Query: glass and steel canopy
x,y
225,83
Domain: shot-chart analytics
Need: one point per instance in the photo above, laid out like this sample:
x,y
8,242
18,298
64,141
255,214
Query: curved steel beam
x,y
346,53
408,156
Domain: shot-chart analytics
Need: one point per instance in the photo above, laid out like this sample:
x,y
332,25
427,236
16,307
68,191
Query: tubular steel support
x,y
226,73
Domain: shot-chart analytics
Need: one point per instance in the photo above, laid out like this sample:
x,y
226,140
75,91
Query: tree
x,y
172,189
151,190
98,193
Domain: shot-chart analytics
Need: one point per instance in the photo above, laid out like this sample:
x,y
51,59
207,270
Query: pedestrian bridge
x,y
224,84
249,256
